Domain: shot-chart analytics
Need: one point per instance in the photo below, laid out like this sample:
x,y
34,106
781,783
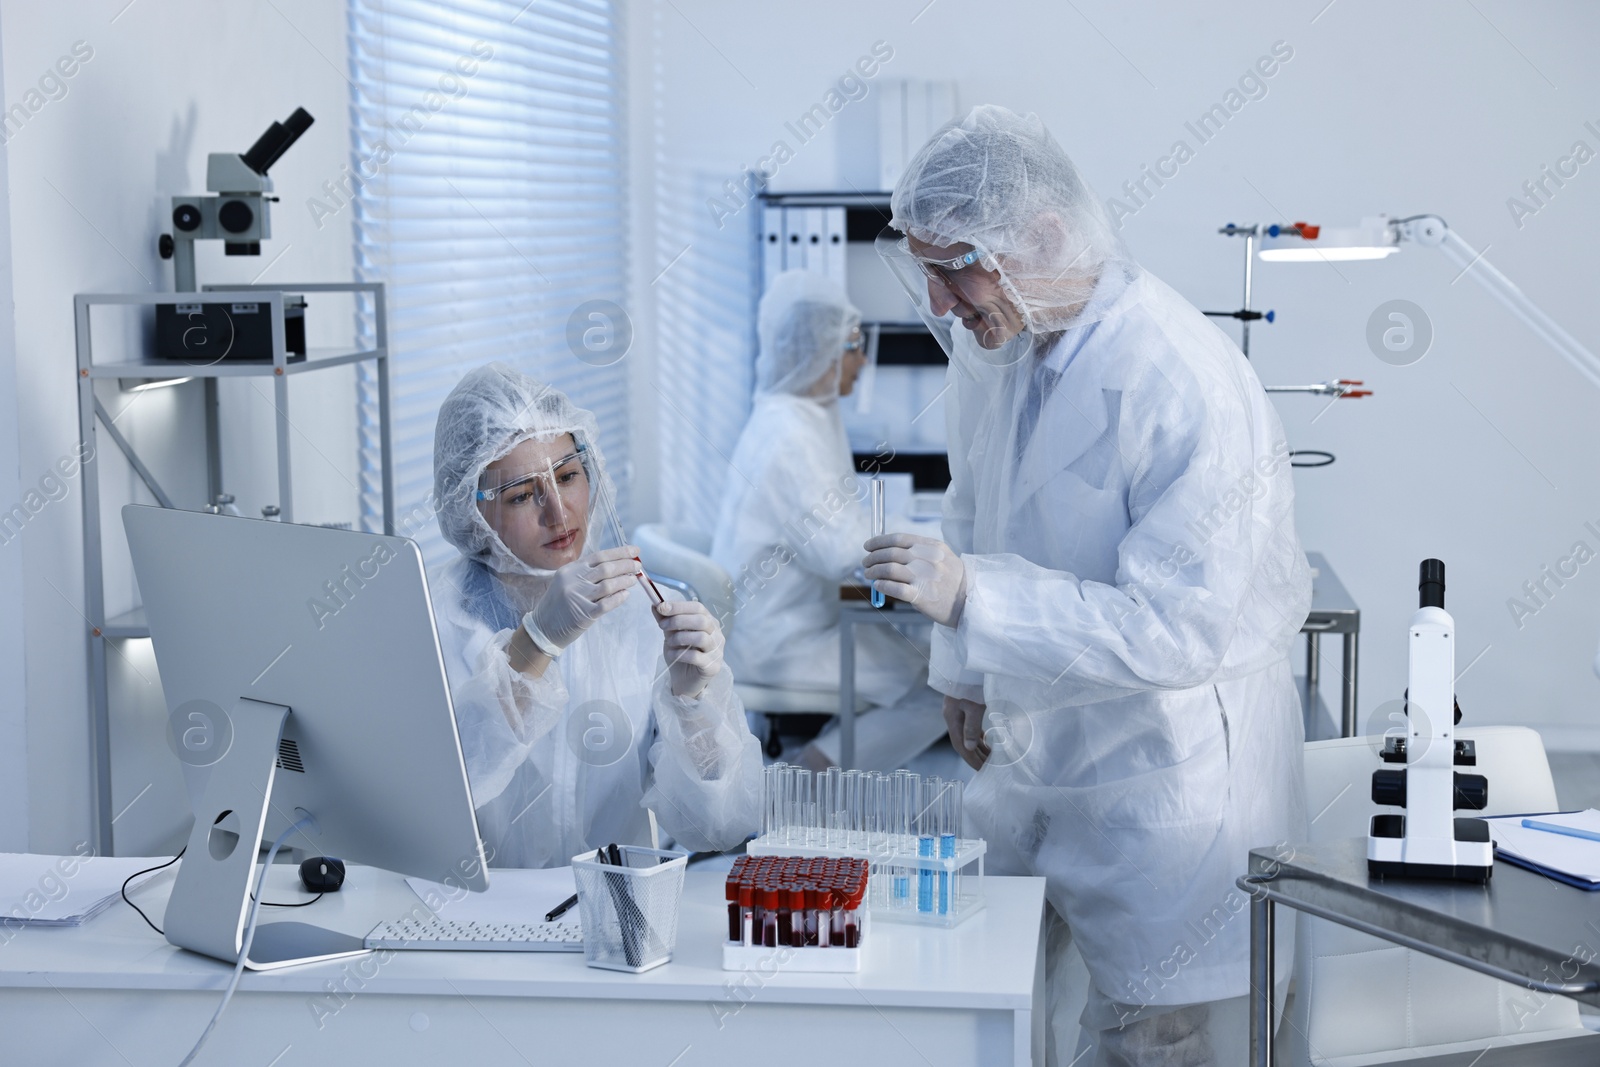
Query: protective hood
x,y
999,182
803,324
492,410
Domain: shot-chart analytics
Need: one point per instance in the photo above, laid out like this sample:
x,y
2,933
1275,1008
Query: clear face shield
x,y
960,293
858,368
538,505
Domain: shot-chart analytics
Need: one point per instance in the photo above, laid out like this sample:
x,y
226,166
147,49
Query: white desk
x,y
113,992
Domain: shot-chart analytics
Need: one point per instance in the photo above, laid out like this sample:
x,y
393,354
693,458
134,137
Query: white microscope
x,y
237,213
1428,841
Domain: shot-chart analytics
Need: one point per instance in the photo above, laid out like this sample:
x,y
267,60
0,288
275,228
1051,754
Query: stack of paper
x,y
1568,851
40,890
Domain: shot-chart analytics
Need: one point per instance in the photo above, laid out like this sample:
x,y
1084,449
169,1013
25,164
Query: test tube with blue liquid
x,y
907,799
877,529
928,808
949,834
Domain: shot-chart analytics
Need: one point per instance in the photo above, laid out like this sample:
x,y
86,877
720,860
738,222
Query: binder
x,y
794,235
891,132
917,127
833,237
941,104
771,245
815,232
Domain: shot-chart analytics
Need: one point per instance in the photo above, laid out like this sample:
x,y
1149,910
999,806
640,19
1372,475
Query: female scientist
x,y
792,523
579,705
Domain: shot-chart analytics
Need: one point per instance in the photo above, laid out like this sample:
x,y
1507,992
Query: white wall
x,y
13,680
89,176
1480,454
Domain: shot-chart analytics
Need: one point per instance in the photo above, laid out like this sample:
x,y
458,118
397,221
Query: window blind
x,y
706,337
487,190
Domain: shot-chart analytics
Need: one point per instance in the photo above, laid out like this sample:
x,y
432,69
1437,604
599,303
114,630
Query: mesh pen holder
x,y
630,913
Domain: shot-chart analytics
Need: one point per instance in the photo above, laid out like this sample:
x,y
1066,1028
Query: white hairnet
x,y
491,410
803,324
998,181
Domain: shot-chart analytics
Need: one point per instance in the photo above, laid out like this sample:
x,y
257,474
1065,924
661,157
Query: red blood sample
x,y
797,911
769,918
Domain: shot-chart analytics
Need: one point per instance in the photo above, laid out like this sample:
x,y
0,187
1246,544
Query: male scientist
x,y
1116,593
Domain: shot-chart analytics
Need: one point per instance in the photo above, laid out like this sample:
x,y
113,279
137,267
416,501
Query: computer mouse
x,y
322,874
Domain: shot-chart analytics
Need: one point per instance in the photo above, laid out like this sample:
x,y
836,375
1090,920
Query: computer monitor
x,y
303,665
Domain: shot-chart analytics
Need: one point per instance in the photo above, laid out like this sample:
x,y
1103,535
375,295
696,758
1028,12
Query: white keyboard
x,y
563,935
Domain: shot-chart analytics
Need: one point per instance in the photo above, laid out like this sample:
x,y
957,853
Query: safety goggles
x,y
946,271
561,477
927,281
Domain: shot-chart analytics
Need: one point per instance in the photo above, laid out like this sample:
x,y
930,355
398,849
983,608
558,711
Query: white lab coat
x,y
568,762
790,530
1134,583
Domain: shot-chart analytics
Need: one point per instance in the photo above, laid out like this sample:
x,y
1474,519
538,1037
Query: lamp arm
x,y
1435,232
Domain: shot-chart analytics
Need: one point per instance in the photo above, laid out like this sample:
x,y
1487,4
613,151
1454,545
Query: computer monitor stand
x,y
210,900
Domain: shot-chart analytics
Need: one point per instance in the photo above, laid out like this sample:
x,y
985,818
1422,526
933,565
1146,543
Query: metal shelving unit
x,y
900,343
93,417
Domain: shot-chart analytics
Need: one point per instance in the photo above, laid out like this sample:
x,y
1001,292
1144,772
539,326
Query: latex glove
x,y
922,571
965,721
580,593
692,647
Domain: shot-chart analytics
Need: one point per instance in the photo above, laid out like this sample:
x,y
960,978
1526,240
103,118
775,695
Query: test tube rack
x,y
953,889
807,960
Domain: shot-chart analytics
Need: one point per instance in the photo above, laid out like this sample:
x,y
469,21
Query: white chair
x,y
1359,1000
680,558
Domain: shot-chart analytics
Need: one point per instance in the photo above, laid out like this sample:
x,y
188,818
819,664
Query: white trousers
x,y
1085,1028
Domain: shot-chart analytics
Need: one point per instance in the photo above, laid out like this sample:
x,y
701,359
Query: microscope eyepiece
x,y
276,141
1430,586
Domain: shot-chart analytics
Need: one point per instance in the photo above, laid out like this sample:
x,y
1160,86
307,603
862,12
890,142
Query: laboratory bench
x,y
1521,927
115,992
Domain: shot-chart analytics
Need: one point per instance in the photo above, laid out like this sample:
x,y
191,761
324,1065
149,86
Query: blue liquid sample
x,y
947,850
877,529
924,876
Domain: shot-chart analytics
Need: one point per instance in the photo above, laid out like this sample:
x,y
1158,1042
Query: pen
x,y
560,909
1557,828
628,917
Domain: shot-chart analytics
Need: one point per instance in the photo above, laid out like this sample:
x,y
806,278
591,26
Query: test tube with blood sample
x,y
614,525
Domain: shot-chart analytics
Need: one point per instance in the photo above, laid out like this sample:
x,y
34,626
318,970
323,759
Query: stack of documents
x,y
61,890
1562,845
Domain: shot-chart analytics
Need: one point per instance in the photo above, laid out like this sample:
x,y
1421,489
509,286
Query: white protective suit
x,y
569,761
792,522
1122,505
793,517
